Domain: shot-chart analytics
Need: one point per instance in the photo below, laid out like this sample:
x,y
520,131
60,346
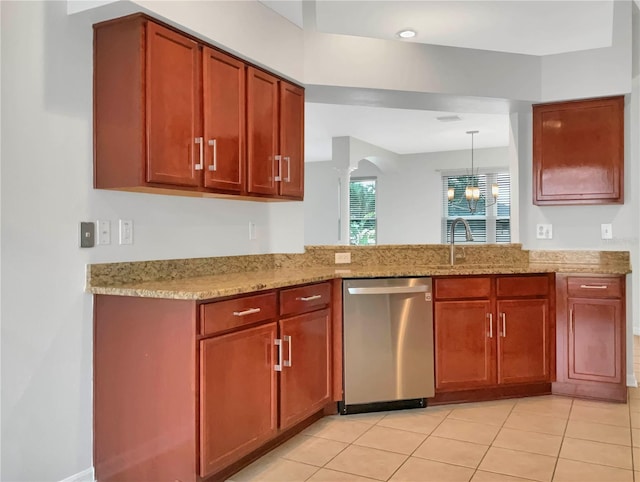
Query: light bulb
x,y
476,193
450,194
468,192
495,190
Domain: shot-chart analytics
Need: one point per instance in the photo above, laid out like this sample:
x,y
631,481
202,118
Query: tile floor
x,y
544,439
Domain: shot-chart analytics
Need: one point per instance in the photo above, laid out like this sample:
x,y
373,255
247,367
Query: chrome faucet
x,y
452,255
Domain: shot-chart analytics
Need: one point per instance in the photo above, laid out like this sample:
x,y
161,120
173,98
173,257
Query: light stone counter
x,y
207,278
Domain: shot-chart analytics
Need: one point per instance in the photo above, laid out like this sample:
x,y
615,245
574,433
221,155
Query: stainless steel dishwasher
x,y
388,344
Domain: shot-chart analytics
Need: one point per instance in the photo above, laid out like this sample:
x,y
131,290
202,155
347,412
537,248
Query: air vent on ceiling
x,y
449,118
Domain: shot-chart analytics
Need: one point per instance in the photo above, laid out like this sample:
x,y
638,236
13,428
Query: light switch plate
x,y
104,232
87,234
606,231
126,231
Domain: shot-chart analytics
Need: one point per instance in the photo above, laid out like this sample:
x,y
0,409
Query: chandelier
x,y
472,192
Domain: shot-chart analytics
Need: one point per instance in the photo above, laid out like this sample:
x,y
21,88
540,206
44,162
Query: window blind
x,y
362,211
489,224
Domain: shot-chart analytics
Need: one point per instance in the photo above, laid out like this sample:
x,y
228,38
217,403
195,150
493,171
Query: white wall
x,y
46,338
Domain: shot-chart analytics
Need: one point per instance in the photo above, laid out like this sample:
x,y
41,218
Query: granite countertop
x,y
191,282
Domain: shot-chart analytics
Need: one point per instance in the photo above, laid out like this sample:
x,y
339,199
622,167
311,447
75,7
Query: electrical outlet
x,y
544,231
104,232
343,258
126,231
252,231
606,231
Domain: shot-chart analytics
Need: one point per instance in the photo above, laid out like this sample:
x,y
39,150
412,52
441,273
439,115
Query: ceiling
x,y
529,27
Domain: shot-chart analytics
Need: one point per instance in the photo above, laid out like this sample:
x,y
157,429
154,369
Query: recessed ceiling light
x,y
449,118
408,33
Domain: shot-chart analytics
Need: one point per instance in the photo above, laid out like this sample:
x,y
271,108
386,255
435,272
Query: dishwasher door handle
x,y
388,290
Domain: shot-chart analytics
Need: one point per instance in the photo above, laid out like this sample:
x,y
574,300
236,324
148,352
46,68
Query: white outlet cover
x,y
126,231
104,232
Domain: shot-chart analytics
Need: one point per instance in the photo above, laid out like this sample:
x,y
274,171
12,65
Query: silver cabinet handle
x,y
504,324
287,338
199,141
571,321
213,143
490,316
278,343
250,311
594,287
279,176
309,298
288,178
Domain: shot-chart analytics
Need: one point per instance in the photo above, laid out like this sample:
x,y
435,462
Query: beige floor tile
x,y
481,476
537,443
424,424
271,469
635,452
422,470
310,450
611,406
536,423
574,471
466,431
635,419
326,475
634,392
550,405
492,415
371,418
596,453
518,464
451,451
636,476
600,415
340,430
634,404
391,439
635,437
598,432
373,463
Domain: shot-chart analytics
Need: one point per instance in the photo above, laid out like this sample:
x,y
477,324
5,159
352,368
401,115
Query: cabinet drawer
x,y
522,286
457,288
225,315
591,287
304,298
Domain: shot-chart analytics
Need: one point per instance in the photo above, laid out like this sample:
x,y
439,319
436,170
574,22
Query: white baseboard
x,y
631,380
84,476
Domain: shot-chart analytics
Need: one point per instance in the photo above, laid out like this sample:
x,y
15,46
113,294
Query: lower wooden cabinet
x,y
183,390
238,395
492,332
304,380
591,337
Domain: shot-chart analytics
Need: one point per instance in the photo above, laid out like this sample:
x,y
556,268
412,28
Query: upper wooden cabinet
x,y
275,118
578,152
170,116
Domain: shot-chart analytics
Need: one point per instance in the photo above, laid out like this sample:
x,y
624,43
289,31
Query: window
x,y
363,227
489,224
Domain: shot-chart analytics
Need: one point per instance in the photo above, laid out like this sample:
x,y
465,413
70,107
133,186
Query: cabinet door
x,y
305,378
578,152
292,140
262,133
595,340
238,395
172,107
224,120
523,337
465,345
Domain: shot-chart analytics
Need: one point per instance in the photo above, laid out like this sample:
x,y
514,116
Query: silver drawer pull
x,y
278,343
309,298
490,316
504,324
250,311
213,143
594,287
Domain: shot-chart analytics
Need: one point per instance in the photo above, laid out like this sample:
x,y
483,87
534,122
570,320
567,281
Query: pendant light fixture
x,y
472,192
